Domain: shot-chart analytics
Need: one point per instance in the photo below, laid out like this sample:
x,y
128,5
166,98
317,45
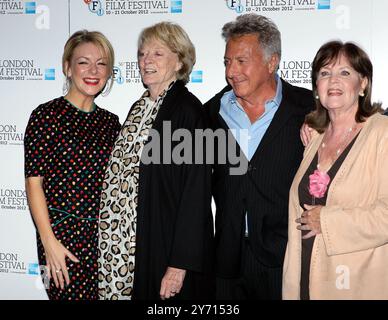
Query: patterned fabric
x,y
117,238
70,148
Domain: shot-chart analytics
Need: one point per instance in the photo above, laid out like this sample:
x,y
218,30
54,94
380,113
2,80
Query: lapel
x,y
169,104
352,156
346,164
284,112
217,122
213,106
308,156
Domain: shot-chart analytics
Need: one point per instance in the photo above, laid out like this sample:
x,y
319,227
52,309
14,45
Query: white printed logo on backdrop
x,y
10,135
133,7
41,13
10,262
296,72
13,199
17,7
262,6
13,69
127,72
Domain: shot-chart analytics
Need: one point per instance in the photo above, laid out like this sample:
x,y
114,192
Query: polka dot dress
x,y
70,149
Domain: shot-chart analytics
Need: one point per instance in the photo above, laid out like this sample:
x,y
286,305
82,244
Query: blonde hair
x,y
85,36
177,40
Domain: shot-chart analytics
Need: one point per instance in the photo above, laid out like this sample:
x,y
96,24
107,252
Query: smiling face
x,y
87,70
158,66
246,69
339,85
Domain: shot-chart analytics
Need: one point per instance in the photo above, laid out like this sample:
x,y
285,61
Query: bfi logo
x,y
235,5
95,6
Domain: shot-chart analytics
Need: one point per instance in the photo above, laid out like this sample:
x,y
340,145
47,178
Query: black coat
x,y
263,190
174,219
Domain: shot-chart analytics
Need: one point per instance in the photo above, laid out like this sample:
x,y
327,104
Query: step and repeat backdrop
x,y
32,36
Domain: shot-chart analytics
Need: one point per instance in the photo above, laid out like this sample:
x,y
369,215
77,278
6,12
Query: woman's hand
x,y
55,252
56,255
172,282
310,220
305,134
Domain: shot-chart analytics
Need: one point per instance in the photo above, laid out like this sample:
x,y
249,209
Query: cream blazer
x,y
350,258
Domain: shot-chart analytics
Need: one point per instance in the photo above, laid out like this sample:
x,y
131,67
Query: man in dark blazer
x,y
252,208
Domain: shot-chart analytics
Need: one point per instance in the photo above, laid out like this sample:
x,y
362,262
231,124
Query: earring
x,y
107,88
317,97
66,86
362,94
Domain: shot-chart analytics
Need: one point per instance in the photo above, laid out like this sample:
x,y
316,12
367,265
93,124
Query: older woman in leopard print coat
x,y
156,227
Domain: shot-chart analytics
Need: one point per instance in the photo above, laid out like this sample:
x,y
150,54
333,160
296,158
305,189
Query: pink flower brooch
x,y
318,183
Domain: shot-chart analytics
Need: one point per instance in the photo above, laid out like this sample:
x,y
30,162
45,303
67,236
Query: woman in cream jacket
x,y
338,211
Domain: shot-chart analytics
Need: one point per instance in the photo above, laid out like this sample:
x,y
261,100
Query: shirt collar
x,y
277,99
279,91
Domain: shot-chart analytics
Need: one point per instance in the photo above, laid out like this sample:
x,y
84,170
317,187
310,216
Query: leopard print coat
x,y
119,199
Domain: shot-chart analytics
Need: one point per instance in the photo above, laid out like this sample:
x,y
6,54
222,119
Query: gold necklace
x,y
341,145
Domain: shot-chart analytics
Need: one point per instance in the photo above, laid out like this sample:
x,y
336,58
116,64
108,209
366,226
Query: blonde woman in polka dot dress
x,y
67,145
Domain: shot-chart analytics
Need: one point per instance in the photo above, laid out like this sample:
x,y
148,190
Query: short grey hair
x,y
268,33
177,40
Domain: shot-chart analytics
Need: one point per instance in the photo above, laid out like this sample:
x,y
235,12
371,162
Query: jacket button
x,y
251,168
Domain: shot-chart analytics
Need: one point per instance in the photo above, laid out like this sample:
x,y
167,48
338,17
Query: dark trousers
x,y
256,281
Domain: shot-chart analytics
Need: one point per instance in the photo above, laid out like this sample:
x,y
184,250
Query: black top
x,y
306,198
263,190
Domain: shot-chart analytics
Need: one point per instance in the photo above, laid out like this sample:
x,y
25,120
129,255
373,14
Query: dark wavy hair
x,y
359,61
